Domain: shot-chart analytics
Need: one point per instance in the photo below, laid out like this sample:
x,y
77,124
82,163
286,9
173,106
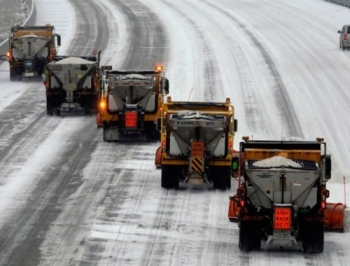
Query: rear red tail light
x,y
9,55
242,203
345,37
323,205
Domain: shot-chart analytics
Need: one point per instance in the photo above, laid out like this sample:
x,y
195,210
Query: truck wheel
x,y
249,235
313,237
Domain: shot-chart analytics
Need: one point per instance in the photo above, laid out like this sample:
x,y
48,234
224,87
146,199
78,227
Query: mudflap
x,y
170,176
152,134
89,104
312,236
249,235
99,120
110,133
221,176
15,74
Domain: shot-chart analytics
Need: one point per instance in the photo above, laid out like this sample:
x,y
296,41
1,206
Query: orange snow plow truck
x,y
281,195
196,143
30,49
130,103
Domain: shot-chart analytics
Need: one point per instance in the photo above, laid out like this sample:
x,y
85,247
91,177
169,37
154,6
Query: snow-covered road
x,y
68,198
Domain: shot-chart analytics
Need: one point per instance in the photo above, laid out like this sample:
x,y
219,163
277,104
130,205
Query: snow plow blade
x,y
158,158
334,217
234,209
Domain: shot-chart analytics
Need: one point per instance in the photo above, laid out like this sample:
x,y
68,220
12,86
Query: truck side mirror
x,y
166,85
328,166
58,40
235,125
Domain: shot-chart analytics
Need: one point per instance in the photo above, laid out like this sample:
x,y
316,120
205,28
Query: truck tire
x,y
88,112
49,107
249,235
152,134
228,177
106,127
218,178
221,177
89,104
170,176
313,237
165,181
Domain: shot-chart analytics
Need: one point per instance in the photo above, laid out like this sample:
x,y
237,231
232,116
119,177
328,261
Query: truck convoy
x,y
196,143
281,198
72,84
30,49
130,103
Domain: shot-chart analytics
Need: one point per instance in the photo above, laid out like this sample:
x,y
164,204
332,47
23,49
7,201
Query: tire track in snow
x,y
134,203
53,184
148,42
211,83
121,223
26,129
90,249
157,224
90,27
252,104
281,94
18,121
76,215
